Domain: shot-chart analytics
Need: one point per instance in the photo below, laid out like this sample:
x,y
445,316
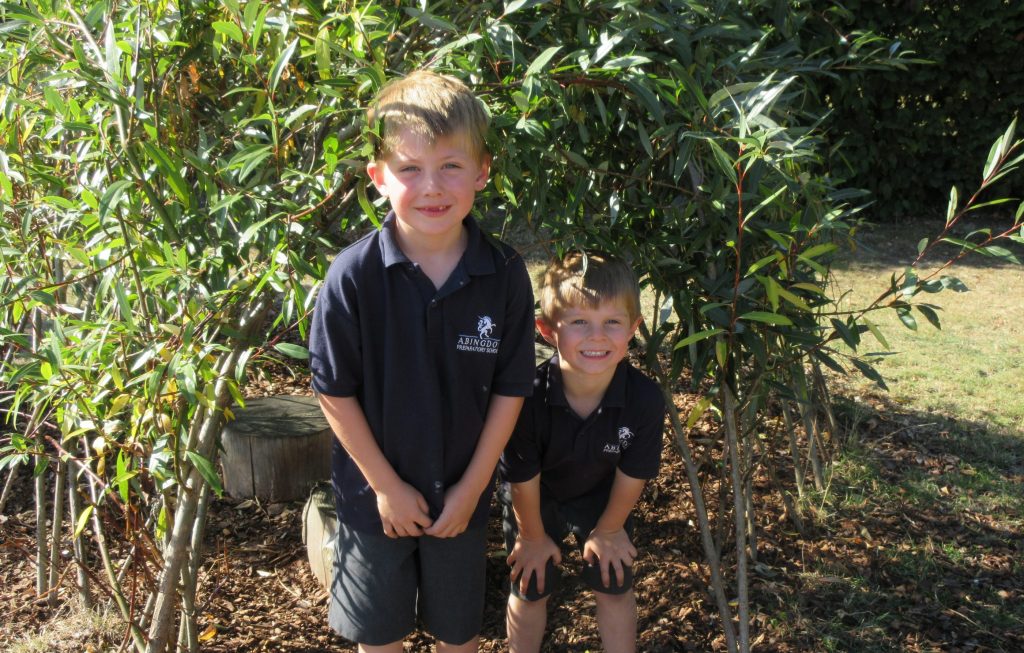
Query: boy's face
x,y
431,186
591,341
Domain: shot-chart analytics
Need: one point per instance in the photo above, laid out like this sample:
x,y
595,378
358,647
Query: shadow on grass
x,y
922,540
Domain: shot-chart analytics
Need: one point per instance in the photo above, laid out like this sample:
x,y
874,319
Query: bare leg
x,y
526,621
393,647
616,620
472,646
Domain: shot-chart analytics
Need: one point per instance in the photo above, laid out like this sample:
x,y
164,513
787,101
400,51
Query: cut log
x,y
319,528
276,449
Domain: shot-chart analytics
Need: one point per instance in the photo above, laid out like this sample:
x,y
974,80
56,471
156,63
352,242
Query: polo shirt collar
x,y
477,258
614,396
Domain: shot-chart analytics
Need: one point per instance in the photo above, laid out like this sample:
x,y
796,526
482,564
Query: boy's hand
x,y
530,557
459,505
610,550
403,511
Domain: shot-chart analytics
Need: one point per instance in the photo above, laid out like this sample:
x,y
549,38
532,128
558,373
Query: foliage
x,y
938,119
170,171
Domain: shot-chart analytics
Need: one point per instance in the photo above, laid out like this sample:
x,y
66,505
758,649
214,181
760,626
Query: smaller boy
x,y
581,452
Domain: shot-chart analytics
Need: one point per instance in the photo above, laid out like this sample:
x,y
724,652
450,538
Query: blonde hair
x,y
428,105
582,279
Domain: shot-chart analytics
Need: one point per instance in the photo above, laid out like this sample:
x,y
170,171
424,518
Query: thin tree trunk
x,y
739,504
11,477
78,546
807,411
42,550
108,566
206,428
787,497
825,401
794,452
704,523
55,530
188,636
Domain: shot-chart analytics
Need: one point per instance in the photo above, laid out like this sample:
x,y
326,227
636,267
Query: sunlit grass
x,y
973,367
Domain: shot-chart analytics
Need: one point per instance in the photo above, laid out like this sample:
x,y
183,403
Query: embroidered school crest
x,y
482,342
485,326
625,437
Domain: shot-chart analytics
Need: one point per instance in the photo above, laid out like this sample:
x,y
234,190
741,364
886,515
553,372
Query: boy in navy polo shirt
x,y
421,351
584,446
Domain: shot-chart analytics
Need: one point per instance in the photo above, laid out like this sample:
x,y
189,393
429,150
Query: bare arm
x,y
608,544
461,499
533,546
403,510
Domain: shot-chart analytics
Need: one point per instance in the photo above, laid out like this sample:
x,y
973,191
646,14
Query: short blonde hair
x,y
429,105
587,279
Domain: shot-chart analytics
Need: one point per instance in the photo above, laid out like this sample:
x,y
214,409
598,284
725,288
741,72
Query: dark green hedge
x,y
907,136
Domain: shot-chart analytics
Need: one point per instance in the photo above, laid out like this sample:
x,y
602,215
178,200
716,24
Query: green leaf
x,y
83,520
870,372
698,411
905,316
228,29
112,196
629,61
292,350
697,337
818,250
432,21
541,61
851,338
954,284
767,318
207,471
877,333
170,172
365,204
951,207
282,63
929,314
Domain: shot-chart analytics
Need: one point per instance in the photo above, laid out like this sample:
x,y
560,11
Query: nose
x,y
432,183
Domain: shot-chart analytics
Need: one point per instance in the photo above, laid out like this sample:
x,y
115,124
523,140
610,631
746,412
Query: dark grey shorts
x,y
578,517
381,585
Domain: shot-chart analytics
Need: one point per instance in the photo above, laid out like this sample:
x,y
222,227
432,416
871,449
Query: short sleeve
x,y
642,458
516,362
335,356
521,459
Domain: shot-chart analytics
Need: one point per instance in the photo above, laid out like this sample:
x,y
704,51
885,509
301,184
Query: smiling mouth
x,y
435,209
594,354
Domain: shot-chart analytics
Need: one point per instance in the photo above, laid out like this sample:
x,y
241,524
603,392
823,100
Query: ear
x,y
636,325
485,171
375,170
546,331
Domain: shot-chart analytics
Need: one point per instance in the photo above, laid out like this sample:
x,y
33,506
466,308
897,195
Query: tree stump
x,y
276,449
319,528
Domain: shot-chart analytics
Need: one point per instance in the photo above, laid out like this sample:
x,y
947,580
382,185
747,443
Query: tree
x,y
173,176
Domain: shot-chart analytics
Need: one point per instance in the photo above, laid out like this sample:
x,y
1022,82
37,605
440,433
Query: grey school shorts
x,y
578,516
382,584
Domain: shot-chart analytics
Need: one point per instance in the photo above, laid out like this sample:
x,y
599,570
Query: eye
x,y
579,321
409,168
452,166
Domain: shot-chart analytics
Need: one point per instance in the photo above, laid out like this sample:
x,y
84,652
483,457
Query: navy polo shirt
x,y
575,456
422,362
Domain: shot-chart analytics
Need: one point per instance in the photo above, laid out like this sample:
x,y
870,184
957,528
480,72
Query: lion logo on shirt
x,y
485,326
625,437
